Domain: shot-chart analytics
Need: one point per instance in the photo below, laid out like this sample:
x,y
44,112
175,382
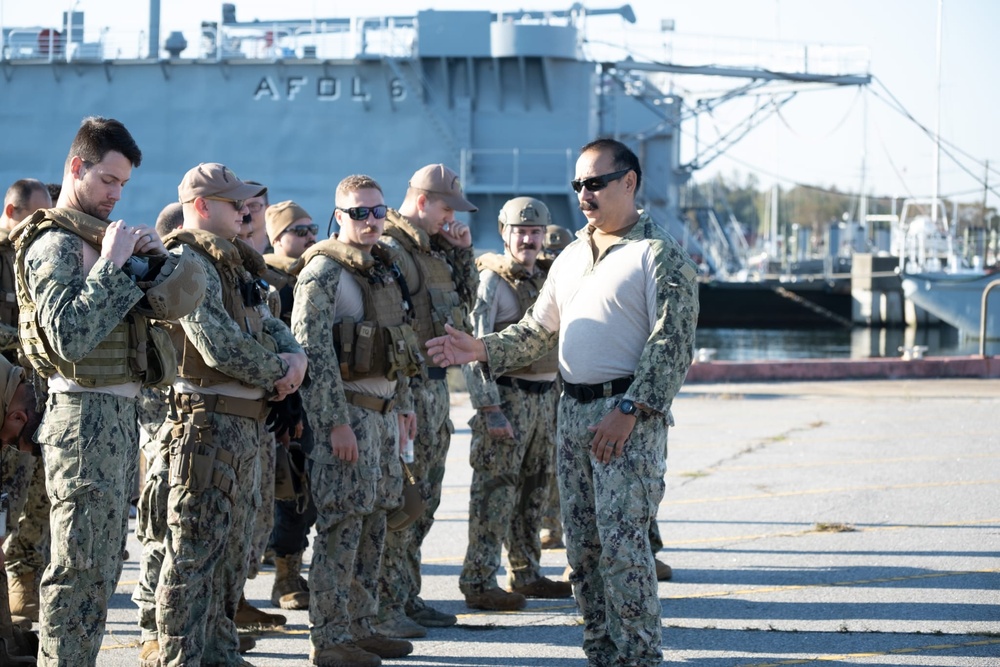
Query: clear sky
x,y
819,137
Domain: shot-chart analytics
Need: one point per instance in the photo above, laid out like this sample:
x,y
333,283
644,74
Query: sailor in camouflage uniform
x,y
24,550
439,271
291,231
232,358
351,318
621,302
513,431
81,330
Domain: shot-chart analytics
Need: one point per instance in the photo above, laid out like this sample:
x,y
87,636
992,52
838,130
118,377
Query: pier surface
x,y
853,522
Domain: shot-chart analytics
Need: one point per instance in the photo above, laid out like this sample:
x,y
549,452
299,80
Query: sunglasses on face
x,y
237,203
303,230
360,213
597,183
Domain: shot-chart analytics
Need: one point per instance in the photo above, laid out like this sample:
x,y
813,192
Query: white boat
x,y
936,275
956,299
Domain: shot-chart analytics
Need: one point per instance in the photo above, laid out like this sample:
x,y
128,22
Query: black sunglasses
x,y
360,213
597,183
303,231
237,203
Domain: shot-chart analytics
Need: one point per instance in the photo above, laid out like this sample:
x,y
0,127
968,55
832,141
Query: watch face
x,y
627,407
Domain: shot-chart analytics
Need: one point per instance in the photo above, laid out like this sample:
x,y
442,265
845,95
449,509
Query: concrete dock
x,y
853,522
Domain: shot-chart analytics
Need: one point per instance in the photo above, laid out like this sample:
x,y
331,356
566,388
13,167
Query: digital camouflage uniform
x,y
352,499
607,508
454,286
89,443
510,477
210,510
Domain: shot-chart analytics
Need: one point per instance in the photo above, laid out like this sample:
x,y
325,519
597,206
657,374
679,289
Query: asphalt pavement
x,y
852,522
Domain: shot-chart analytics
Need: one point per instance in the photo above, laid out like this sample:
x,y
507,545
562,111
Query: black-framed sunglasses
x,y
597,183
303,231
237,203
360,213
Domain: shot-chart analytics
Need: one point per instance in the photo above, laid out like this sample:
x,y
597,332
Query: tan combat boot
x,y
249,616
290,590
23,592
149,655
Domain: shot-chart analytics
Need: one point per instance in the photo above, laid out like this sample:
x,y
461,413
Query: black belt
x,y
588,392
530,386
436,373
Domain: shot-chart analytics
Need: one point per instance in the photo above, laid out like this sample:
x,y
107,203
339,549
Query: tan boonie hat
x,y
443,182
281,216
211,179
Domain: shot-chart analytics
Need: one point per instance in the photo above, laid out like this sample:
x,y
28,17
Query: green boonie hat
x,y
524,212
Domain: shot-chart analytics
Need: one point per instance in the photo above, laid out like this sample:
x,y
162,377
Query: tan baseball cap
x,y
211,179
281,216
443,182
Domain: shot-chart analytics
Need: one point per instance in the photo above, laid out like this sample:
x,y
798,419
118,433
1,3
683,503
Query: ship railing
x,y
983,321
516,170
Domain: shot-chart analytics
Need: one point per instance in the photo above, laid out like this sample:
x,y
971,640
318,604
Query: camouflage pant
x,y
151,529
16,470
509,487
264,521
90,447
351,504
205,563
25,548
607,512
399,584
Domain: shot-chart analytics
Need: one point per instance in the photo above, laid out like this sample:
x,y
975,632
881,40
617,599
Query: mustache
x,y
588,206
528,246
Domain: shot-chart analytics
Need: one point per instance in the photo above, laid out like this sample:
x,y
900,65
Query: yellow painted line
x,y
799,587
876,654
724,467
835,489
810,530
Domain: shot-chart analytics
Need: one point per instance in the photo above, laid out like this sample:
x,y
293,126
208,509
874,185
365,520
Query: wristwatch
x,y
626,407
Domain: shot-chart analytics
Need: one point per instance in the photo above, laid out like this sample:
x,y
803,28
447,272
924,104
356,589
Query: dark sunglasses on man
x,y
360,213
597,183
302,230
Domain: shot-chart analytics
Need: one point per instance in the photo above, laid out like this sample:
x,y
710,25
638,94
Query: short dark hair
x,y
169,219
621,154
20,191
97,136
55,189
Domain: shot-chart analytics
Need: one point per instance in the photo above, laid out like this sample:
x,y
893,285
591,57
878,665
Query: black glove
x,y
285,415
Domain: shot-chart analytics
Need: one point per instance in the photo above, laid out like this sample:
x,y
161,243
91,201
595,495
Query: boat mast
x,y
937,127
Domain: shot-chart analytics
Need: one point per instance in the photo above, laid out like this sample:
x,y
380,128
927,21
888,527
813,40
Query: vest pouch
x,y
403,352
343,345
161,358
443,307
365,340
191,459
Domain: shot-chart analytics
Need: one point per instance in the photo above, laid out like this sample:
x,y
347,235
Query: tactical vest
x,y
8,282
435,299
135,350
280,277
383,344
526,287
238,264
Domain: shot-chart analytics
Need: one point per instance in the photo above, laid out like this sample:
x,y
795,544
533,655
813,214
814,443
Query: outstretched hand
x,y
457,347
